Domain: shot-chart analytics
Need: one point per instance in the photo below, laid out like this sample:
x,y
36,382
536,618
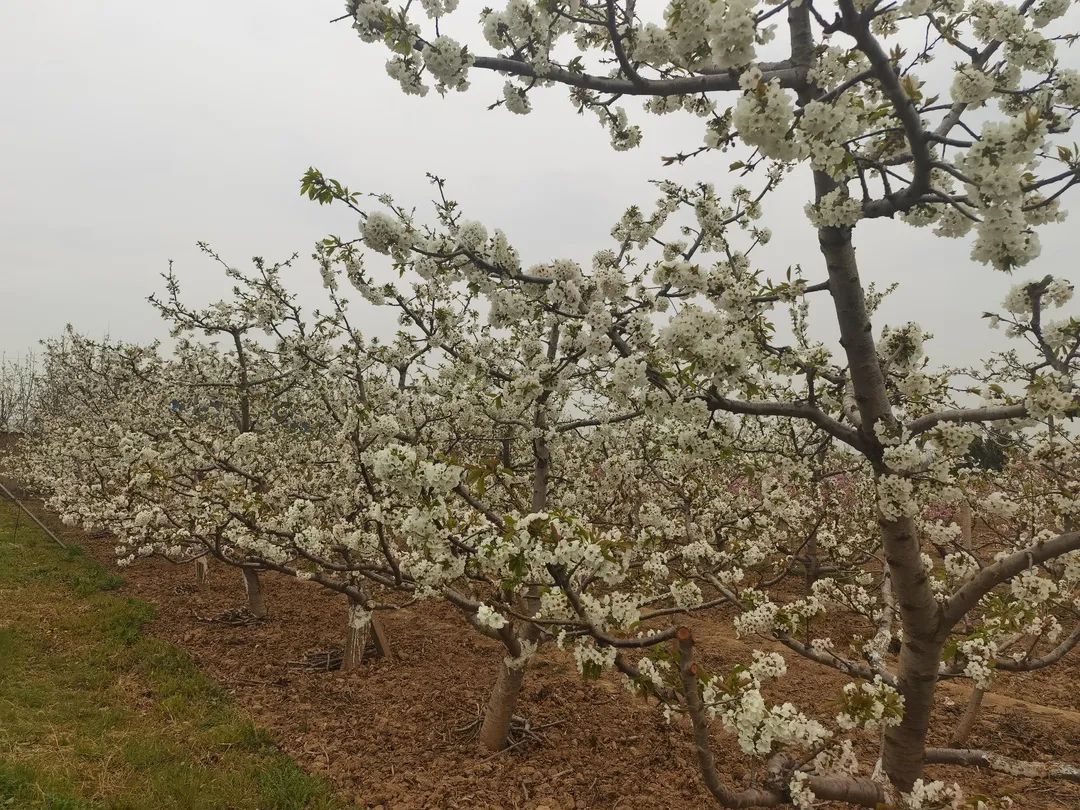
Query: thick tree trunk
x,y
499,712
361,627
905,744
920,653
202,570
253,588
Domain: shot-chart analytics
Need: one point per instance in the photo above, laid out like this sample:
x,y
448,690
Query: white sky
x,y
130,129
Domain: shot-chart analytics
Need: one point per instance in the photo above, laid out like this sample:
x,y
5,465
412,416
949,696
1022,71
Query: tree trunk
x,y
967,722
362,625
920,653
499,714
202,570
905,744
966,519
253,588
921,616
356,636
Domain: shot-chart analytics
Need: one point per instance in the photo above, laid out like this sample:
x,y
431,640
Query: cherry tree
x,y
88,426
448,439
594,453
141,444
850,110
18,379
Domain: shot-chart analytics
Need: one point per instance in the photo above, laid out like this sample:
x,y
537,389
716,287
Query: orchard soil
x,y
389,735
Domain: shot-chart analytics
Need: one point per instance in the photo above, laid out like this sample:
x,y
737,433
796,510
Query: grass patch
x,y
96,714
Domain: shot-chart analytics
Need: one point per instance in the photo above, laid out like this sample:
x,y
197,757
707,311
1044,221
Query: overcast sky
x,y
131,129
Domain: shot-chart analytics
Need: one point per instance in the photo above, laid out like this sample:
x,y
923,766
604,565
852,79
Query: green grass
x,y
95,713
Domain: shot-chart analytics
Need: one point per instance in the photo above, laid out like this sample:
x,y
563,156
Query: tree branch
x,y
1052,657
989,413
798,410
1004,569
1002,764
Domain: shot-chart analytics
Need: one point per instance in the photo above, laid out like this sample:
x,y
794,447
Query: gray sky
x,y
133,128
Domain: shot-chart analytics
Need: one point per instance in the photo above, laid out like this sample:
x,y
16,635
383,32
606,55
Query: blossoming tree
x,y
596,454
984,155
17,381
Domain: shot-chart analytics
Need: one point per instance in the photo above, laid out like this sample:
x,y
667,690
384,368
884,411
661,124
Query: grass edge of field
x,y
97,713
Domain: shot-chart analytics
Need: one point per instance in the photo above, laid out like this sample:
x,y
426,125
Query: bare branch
x,y
1002,764
1004,569
989,413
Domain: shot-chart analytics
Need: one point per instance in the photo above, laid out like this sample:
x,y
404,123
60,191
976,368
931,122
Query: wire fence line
x,y
32,516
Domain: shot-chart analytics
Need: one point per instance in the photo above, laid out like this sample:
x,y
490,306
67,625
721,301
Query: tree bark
x,y
357,629
496,719
967,722
362,626
966,520
202,570
920,654
499,713
921,617
253,588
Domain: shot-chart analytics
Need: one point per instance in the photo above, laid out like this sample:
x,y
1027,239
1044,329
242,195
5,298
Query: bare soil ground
x,y
389,733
